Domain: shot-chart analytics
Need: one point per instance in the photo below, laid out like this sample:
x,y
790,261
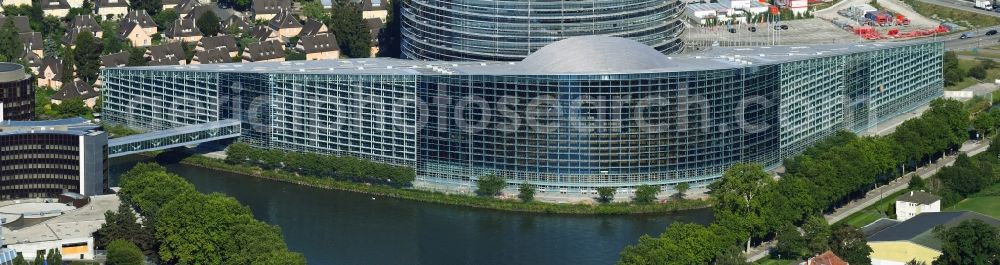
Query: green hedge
x,y
313,164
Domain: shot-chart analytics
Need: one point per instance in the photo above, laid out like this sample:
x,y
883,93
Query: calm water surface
x,y
335,227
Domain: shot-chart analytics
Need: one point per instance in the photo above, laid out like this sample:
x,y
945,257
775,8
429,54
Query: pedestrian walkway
x,y
873,196
971,148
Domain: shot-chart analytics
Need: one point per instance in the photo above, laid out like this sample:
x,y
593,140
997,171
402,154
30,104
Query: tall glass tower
x,y
510,30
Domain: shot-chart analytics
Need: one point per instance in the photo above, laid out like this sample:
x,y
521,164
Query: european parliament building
x,y
578,114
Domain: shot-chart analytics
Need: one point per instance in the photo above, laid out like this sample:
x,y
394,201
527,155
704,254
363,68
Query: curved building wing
x,y
574,116
462,30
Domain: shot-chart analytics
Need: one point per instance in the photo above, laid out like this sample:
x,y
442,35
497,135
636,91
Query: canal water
x,y
336,227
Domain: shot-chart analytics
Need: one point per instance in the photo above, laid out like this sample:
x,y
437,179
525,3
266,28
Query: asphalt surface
x,y
952,42
962,5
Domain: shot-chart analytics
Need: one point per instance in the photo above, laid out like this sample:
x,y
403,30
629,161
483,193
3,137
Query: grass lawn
x,y
966,83
959,17
986,201
991,53
965,65
989,205
871,213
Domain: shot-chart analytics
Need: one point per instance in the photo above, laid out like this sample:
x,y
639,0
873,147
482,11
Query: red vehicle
x,y
902,20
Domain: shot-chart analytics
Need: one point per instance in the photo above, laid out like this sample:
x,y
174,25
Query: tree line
x,y
753,207
182,226
321,165
42,257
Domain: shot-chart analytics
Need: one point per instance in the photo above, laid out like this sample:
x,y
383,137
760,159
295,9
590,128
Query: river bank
x,y
448,199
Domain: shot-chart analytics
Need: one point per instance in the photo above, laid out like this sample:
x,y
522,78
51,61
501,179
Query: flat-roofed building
x,y
64,155
914,239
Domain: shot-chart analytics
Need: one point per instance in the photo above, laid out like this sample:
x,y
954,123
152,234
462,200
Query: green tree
x,y
606,194
350,28
39,257
791,243
389,38
19,260
122,252
970,242
917,183
280,258
314,9
136,57
249,240
681,189
526,192
54,257
740,195
241,5
817,234
149,187
208,23
850,244
793,204
490,185
987,63
153,7
123,225
87,54
680,244
294,56
111,42
69,63
986,122
646,193
193,228
977,72
952,73
74,107
13,48
165,20
732,255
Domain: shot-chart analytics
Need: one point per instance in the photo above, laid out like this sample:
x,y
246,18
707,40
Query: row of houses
x,y
283,32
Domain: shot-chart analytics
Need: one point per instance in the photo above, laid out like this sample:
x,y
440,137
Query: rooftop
x,y
75,224
611,56
77,126
918,197
11,72
920,228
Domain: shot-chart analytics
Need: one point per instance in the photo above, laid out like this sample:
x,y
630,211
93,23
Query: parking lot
x,y
802,31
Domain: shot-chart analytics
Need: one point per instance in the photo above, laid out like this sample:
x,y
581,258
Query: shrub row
x,y
320,165
450,199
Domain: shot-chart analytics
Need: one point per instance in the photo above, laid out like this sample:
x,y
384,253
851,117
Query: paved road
x,y
953,43
970,148
962,5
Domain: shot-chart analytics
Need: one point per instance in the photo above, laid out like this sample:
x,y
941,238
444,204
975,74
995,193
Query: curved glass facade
x,y
685,120
457,30
598,129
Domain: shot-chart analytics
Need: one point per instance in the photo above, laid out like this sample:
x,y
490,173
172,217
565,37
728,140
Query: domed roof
x,y
594,54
